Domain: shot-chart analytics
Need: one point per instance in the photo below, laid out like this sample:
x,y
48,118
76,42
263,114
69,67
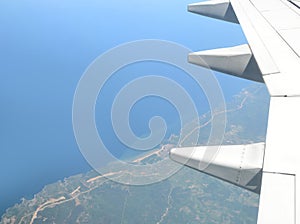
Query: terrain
x,y
187,196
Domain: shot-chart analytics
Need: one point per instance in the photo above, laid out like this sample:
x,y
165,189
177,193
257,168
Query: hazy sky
x,y
45,46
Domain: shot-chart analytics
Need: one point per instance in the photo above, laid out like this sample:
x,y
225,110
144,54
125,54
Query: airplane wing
x,y
240,165
272,56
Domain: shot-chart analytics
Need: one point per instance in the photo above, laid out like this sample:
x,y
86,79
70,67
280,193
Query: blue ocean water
x,y
45,48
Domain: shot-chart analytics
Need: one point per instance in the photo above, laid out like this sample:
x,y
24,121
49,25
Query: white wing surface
x,y
240,165
272,56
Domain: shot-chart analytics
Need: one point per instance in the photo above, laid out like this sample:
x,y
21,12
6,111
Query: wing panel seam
x,y
291,48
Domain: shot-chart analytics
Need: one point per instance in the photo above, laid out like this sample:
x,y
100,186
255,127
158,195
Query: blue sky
x,y
45,46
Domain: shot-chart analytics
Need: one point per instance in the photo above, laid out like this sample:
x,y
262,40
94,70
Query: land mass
x,y
186,197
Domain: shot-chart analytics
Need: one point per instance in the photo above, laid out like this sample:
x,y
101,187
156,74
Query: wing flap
x,y
237,61
265,28
277,199
240,165
272,29
218,9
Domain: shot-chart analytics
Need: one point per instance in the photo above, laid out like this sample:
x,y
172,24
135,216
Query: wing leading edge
x,y
272,28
